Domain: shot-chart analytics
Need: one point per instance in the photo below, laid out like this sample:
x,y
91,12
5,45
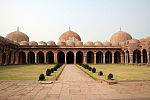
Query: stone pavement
x,y
73,84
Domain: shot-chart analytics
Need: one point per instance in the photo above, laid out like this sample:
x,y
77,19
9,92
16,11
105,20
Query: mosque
x,y
16,48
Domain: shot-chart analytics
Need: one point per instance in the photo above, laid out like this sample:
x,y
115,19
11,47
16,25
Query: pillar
x,y
45,60
104,58
122,59
65,58
131,58
74,57
26,54
55,58
94,57
84,58
36,58
6,60
12,58
142,58
0,58
112,57
148,58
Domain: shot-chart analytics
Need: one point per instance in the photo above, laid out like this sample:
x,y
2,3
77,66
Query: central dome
x,y
69,35
120,37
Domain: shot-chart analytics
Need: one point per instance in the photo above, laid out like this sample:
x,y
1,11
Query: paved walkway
x,y
73,84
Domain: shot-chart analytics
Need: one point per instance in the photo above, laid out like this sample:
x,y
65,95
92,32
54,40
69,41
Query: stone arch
x,y
79,57
70,57
90,57
3,58
50,57
61,57
117,57
99,57
31,58
22,57
108,57
40,57
144,53
136,56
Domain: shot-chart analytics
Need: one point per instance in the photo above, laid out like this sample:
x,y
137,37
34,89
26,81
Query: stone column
x,y
12,58
84,58
55,58
74,57
94,57
142,58
26,54
148,58
65,58
103,58
6,60
112,57
122,59
36,62
131,58
0,58
45,60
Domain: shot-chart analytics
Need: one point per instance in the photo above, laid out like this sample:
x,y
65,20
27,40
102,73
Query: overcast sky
x,y
93,20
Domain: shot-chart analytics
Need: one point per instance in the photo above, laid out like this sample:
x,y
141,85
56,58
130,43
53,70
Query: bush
x,y
94,70
55,68
100,73
90,68
48,72
41,77
110,76
52,70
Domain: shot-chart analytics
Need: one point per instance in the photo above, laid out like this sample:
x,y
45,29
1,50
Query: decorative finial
x,y
17,28
120,29
69,28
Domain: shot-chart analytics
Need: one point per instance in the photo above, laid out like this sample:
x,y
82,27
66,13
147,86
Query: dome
x,y
69,35
33,43
115,44
78,43
25,43
51,43
134,41
98,43
120,37
89,43
145,39
107,43
70,43
17,36
60,43
1,40
42,43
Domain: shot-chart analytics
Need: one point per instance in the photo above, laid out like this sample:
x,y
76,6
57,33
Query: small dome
x,y
145,39
89,43
60,43
134,41
17,36
78,43
115,44
69,35
51,43
108,44
42,43
98,43
2,39
120,37
25,43
70,43
33,43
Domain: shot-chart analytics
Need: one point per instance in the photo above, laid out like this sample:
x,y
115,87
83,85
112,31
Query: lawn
x,y
120,72
27,72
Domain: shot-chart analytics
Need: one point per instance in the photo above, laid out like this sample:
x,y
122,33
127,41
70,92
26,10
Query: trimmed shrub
x,y
41,77
110,76
100,73
55,68
48,72
52,70
90,68
94,70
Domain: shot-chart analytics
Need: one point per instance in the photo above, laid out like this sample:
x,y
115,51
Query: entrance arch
x,y
144,52
117,58
70,57
108,57
31,58
79,57
61,57
136,56
90,57
40,57
50,57
99,57
22,58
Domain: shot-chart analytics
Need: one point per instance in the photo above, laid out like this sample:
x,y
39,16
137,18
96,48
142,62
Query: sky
x,y
93,20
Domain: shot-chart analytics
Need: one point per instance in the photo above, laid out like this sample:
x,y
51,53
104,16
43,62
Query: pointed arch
x,y
90,57
50,57
99,57
117,57
108,57
22,57
136,56
61,57
79,57
31,58
40,57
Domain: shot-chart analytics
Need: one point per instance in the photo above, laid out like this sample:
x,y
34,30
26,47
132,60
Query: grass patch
x,y
27,72
120,72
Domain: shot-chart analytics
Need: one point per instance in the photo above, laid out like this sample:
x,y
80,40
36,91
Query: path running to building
x,y
73,84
